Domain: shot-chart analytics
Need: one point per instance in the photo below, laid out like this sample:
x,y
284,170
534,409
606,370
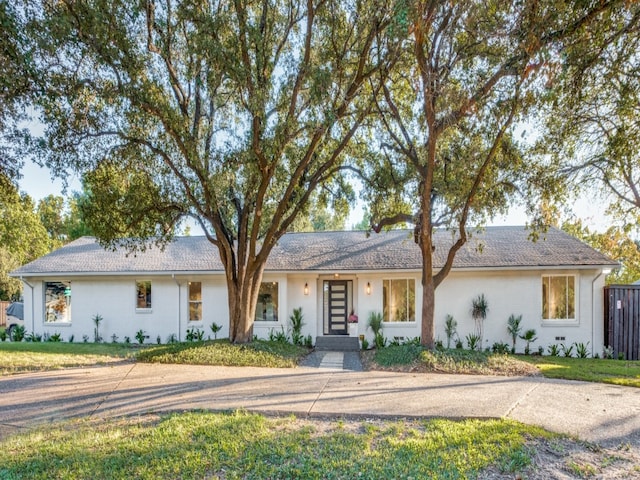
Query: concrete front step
x,y
337,343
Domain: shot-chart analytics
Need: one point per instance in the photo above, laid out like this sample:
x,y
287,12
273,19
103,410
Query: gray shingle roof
x,y
495,247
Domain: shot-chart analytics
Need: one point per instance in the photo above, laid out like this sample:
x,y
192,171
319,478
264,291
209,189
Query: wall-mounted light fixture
x,y
306,288
368,289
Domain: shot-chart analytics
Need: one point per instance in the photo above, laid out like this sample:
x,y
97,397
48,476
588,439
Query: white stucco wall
x,y
514,292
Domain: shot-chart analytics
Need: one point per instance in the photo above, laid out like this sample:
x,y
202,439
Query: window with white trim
x,y
195,301
57,302
267,307
559,297
399,300
143,294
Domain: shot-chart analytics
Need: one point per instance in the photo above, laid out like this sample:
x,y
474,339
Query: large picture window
x,y
267,307
399,300
195,301
558,297
143,294
57,302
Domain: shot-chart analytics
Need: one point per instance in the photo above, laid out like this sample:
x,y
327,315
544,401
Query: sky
x,y
37,182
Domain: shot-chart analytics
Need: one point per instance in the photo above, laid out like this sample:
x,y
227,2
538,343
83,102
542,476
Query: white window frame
x,y
194,302
148,309
576,296
275,312
67,306
406,321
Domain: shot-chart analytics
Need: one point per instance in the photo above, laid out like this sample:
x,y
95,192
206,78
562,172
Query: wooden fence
x,y
3,313
622,320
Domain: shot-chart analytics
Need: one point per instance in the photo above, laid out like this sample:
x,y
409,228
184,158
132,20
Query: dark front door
x,y
336,304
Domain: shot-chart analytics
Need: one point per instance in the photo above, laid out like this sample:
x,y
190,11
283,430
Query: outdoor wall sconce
x,y
306,288
368,289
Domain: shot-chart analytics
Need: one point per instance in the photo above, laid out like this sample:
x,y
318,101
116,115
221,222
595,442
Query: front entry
x,y
337,303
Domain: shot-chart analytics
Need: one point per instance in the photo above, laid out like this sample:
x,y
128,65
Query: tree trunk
x,y
243,296
427,331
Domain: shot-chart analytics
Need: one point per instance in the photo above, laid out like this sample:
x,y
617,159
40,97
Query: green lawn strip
x,y
617,372
452,361
18,357
259,353
244,445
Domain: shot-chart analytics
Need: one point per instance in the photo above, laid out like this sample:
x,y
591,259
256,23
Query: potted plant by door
x,y
352,320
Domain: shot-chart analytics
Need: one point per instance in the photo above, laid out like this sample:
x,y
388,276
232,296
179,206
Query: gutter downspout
x,y
593,307
173,275
33,321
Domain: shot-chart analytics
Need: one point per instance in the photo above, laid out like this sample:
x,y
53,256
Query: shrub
x,y
529,337
3,335
140,336
97,320
17,333
566,351
582,350
85,338
172,338
33,337
514,329
500,347
215,328
479,309
374,322
56,337
280,336
459,344
365,344
158,340
308,341
439,345
71,337
450,329
473,341
608,352
127,340
296,321
379,340
554,350
114,338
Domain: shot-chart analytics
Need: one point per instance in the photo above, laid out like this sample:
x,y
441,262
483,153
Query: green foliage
x,y
567,351
253,122
554,350
582,349
278,336
500,347
589,369
474,362
450,329
514,329
18,333
379,340
55,337
97,320
3,335
37,356
529,336
474,342
296,322
259,353
140,336
215,328
397,355
194,335
365,344
374,322
248,445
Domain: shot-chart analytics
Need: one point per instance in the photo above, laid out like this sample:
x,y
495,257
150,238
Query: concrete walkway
x,y
599,413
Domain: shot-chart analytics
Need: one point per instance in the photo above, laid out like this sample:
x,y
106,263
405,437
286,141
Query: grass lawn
x,y
250,446
414,358
259,353
18,357
617,372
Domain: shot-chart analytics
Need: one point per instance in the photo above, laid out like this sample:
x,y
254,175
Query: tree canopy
x,y
469,71
230,113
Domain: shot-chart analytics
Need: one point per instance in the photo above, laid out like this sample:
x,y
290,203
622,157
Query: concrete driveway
x,y
604,414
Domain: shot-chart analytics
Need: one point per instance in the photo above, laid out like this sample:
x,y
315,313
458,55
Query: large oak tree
x,y
230,112
471,69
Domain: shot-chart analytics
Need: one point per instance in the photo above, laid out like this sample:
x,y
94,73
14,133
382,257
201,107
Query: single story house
x,y
555,283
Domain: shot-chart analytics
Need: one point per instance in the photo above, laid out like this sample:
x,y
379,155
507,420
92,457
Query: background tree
x,y
615,242
230,113
62,218
470,71
22,238
592,131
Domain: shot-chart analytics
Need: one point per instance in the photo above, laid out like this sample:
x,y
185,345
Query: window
x,y
267,307
399,300
195,301
559,297
143,294
57,302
